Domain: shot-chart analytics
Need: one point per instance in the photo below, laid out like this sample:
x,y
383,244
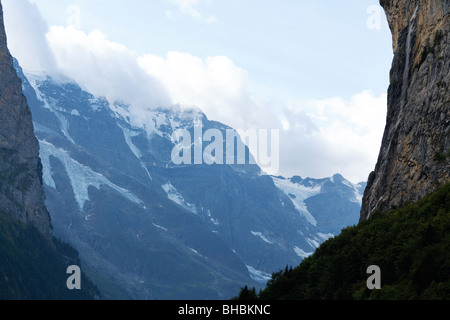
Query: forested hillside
x,y
411,245
33,268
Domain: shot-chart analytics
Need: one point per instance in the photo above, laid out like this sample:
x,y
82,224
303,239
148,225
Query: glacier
x,y
259,276
176,197
81,177
298,194
263,237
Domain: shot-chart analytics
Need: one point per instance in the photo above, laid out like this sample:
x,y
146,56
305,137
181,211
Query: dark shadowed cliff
x,y
21,189
33,264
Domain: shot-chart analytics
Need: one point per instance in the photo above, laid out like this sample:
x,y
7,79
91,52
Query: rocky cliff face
x,y
21,190
415,151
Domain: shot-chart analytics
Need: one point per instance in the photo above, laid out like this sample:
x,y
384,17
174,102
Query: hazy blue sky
x,y
317,70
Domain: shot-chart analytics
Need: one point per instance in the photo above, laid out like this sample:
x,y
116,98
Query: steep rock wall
x,y
21,191
415,153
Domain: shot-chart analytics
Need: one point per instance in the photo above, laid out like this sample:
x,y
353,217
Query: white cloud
x,y
318,137
334,136
26,31
216,85
187,7
103,67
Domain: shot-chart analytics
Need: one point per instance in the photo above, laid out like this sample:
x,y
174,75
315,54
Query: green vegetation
x,y
33,268
430,48
246,294
441,157
17,174
411,245
438,37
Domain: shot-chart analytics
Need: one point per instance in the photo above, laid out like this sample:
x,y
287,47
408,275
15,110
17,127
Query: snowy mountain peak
x,y
306,194
114,193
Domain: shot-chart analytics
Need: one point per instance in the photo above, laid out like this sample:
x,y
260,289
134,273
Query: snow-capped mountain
x,y
149,229
330,204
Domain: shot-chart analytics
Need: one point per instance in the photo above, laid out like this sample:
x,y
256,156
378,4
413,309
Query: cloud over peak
x,y
104,67
26,30
318,137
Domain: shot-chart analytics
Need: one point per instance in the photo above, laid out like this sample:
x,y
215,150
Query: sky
x,y
316,70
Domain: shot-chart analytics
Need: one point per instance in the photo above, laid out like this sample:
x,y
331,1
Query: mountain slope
x,y
132,237
33,268
330,204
